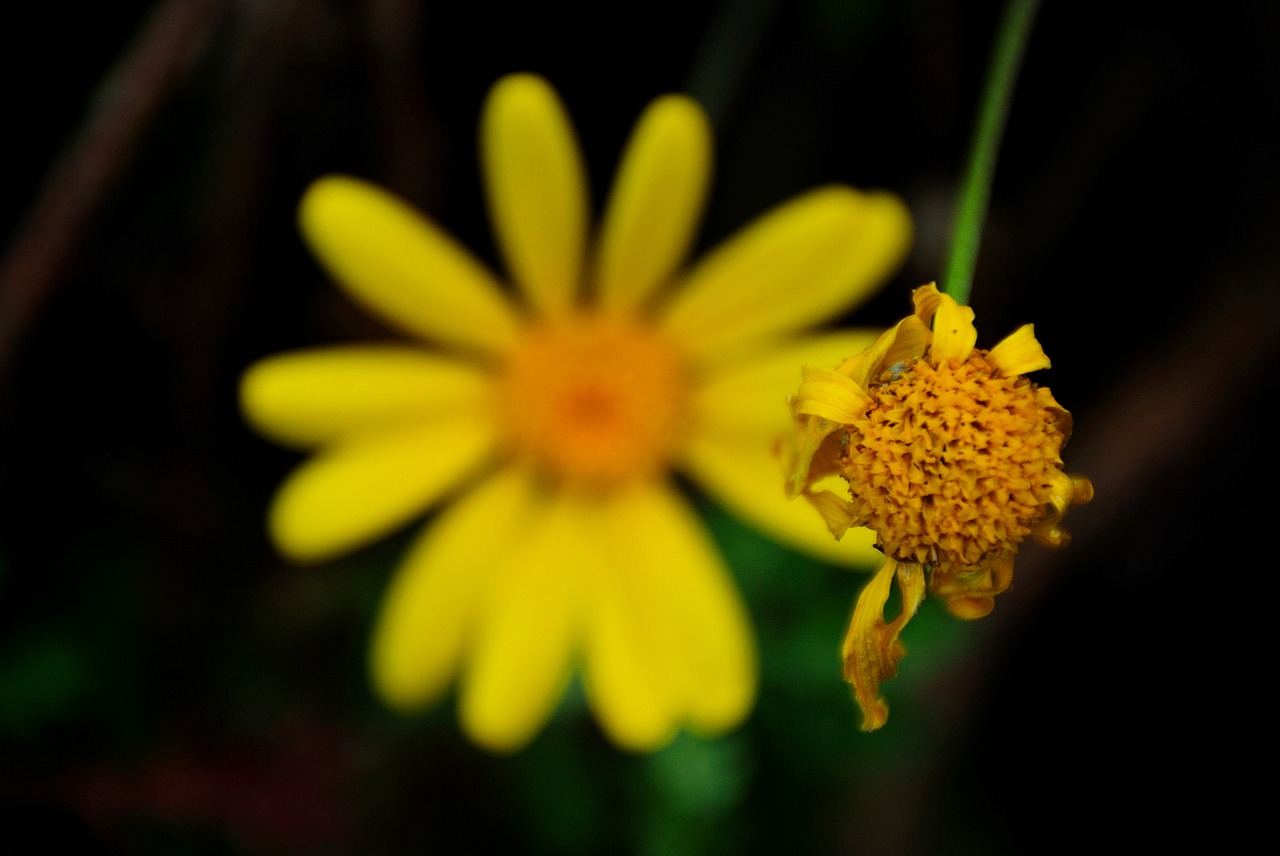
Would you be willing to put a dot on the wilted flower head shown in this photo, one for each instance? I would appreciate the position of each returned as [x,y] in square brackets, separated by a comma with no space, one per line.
[555,422]
[952,458]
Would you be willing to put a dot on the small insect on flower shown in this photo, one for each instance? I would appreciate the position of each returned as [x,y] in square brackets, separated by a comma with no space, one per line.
[953,458]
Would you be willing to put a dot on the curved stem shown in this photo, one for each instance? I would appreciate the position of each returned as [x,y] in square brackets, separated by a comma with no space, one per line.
[975,189]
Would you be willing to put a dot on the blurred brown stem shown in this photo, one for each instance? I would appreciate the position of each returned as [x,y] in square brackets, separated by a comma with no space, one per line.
[44,245]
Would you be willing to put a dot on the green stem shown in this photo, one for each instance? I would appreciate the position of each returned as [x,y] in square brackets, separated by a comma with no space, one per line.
[975,189]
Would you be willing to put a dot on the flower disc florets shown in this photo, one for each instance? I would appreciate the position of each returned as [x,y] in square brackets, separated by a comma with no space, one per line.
[951,463]
[594,399]
[952,459]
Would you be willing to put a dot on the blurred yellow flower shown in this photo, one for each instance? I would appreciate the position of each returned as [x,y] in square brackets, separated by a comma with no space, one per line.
[952,458]
[553,425]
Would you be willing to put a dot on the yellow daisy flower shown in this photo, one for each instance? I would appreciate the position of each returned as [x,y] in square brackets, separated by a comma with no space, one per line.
[553,425]
[952,459]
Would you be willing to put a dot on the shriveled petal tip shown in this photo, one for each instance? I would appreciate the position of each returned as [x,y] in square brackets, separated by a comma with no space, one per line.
[1019,353]
[971,594]
[305,398]
[537,189]
[1044,398]
[1066,492]
[806,261]
[656,202]
[396,263]
[429,608]
[871,649]
[353,493]
[835,511]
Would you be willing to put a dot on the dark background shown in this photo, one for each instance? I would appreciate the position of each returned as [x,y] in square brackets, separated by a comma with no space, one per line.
[168,684]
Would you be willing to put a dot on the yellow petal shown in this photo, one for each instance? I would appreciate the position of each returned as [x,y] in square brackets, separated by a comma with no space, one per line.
[1066,492]
[537,189]
[745,477]
[526,628]
[901,343]
[836,511]
[904,342]
[749,396]
[656,202]
[1019,353]
[871,650]
[631,698]
[925,301]
[1044,398]
[398,264]
[309,397]
[428,610]
[971,593]
[702,608]
[804,262]
[830,395]
[953,332]
[637,667]
[809,454]
[352,493]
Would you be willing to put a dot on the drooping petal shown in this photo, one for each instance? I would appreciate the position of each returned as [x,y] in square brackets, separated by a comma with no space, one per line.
[749,396]
[970,592]
[536,188]
[1044,397]
[1066,492]
[745,477]
[1019,353]
[810,454]
[395,262]
[304,398]
[836,511]
[354,492]
[429,608]
[804,262]
[871,649]
[702,609]
[656,202]
[526,628]
[830,395]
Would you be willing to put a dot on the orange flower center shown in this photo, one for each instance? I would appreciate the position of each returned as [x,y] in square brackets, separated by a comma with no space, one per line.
[594,399]
[952,463]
